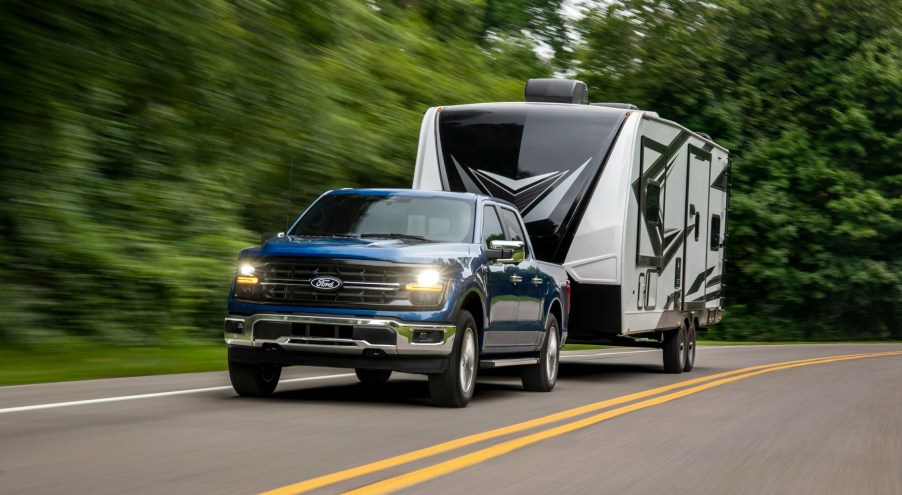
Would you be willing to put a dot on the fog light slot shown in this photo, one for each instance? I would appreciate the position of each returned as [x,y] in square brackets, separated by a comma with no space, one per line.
[234,326]
[373,353]
[428,336]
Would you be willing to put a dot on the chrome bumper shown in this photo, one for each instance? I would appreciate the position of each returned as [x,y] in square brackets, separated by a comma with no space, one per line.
[404,338]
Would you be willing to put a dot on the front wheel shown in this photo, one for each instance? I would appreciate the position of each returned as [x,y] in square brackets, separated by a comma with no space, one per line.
[454,387]
[254,380]
[542,376]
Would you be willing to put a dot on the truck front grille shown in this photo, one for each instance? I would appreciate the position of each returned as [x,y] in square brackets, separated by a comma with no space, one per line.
[286,281]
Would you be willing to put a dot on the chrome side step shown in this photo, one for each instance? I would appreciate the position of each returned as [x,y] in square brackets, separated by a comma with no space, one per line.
[500,363]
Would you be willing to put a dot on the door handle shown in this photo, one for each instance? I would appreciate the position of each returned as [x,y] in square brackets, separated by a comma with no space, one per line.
[697,220]
[536,281]
[516,279]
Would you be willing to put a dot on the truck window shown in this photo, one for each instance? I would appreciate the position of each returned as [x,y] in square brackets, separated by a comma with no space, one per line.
[512,226]
[491,226]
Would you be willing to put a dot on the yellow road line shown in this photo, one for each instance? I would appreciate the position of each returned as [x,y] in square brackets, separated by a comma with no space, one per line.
[405,480]
[347,474]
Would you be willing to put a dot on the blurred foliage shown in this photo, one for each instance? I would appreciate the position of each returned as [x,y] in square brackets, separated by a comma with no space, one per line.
[143,143]
[806,94]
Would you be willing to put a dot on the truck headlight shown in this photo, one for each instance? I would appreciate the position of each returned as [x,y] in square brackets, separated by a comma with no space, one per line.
[427,280]
[428,290]
[246,275]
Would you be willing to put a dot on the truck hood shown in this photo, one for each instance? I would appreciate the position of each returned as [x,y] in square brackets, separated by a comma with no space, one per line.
[395,250]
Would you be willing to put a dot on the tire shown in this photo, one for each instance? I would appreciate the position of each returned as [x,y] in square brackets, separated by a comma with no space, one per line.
[689,361]
[542,376]
[675,350]
[372,376]
[454,387]
[254,380]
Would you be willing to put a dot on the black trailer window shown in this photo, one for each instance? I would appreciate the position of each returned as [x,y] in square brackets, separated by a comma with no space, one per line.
[715,232]
[653,202]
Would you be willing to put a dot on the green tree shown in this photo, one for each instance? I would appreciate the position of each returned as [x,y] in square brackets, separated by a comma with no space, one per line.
[803,93]
[142,144]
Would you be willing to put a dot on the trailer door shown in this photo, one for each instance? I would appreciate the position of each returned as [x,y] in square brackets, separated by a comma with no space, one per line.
[695,244]
[717,214]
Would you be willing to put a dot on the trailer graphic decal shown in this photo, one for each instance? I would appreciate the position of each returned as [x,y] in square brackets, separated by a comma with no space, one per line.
[521,192]
[697,283]
[720,182]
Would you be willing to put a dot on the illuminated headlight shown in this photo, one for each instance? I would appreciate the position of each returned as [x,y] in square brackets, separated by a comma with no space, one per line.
[428,278]
[246,270]
[246,275]
[428,290]
[427,281]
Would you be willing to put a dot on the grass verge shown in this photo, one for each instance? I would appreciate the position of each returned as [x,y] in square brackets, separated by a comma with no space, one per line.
[61,363]
[20,366]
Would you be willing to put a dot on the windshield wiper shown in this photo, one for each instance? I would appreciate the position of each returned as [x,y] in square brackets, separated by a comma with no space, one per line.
[398,236]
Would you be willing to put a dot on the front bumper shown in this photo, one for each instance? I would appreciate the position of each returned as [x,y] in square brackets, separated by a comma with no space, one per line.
[339,336]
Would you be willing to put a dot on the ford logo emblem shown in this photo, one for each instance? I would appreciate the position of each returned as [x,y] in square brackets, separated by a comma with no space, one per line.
[326,283]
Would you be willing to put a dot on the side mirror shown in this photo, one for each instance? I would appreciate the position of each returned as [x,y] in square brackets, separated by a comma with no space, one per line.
[499,254]
[269,235]
[511,252]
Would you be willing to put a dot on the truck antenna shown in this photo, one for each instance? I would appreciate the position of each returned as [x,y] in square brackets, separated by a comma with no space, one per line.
[290,175]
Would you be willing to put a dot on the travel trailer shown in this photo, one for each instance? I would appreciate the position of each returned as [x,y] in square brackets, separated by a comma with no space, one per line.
[634,206]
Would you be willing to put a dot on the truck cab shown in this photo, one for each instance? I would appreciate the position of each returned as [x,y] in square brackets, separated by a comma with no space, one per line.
[383,280]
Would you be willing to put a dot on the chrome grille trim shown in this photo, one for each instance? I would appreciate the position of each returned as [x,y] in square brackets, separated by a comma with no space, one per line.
[365,283]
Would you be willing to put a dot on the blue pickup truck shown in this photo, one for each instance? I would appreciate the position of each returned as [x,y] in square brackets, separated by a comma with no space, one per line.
[383,280]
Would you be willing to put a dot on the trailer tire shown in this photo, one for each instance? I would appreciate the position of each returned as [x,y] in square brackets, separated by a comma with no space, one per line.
[454,387]
[254,380]
[542,376]
[372,376]
[689,361]
[675,350]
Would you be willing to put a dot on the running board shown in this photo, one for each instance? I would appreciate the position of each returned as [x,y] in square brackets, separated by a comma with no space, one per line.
[500,363]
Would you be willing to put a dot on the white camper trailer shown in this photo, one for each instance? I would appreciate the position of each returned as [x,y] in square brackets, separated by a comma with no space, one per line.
[634,206]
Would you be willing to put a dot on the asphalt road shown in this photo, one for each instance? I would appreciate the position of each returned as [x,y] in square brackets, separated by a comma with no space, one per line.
[820,427]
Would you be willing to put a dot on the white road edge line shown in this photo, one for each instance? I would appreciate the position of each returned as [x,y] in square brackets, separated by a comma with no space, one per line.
[151,396]
[602,354]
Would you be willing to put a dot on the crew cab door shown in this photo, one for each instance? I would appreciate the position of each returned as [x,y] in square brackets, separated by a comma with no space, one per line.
[502,289]
[531,282]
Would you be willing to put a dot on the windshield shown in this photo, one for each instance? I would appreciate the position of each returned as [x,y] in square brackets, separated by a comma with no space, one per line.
[392,217]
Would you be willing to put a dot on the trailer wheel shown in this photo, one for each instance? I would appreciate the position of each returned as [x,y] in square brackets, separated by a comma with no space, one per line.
[372,376]
[254,380]
[675,350]
[454,387]
[689,361]
[542,376]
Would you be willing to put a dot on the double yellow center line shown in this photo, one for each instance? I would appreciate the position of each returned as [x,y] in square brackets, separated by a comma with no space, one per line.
[402,481]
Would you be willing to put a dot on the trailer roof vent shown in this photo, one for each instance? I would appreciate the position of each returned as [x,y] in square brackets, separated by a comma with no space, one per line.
[557,91]
[625,106]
